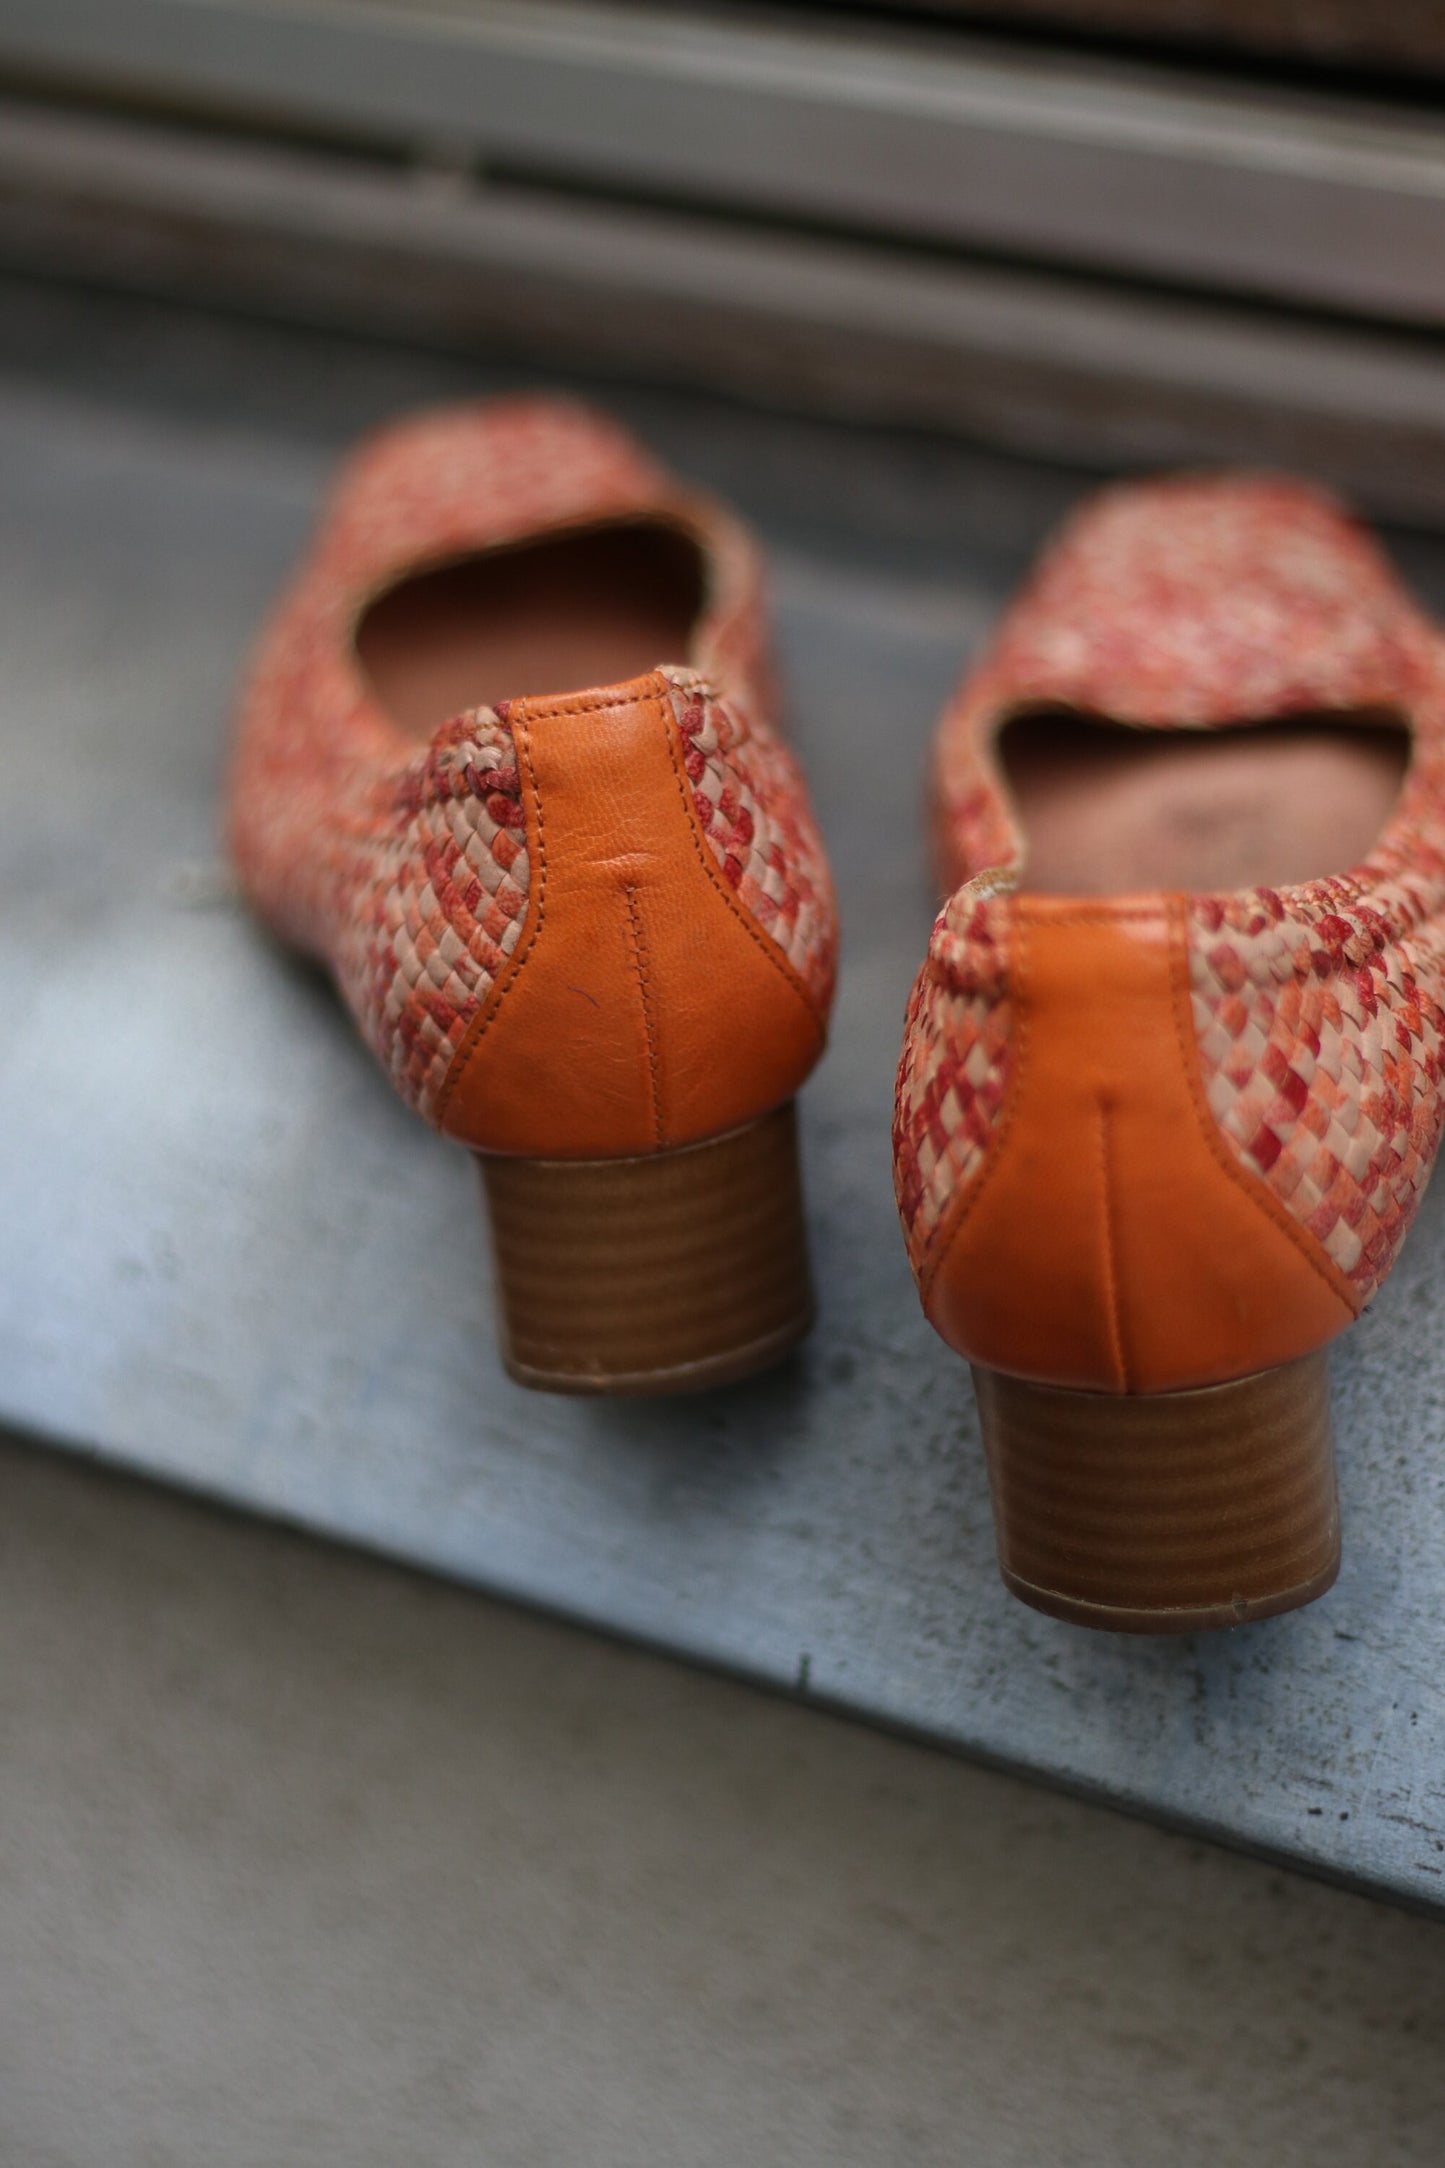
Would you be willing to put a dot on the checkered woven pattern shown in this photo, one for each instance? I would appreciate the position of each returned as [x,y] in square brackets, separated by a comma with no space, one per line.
[429,898]
[1197,604]
[1320,1027]
[955,1065]
[403,866]
[753,806]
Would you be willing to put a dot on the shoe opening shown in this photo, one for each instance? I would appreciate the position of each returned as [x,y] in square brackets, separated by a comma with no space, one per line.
[556,615]
[1106,808]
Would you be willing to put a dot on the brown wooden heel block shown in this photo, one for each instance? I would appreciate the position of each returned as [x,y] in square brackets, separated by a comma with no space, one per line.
[1164,1512]
[658,1274]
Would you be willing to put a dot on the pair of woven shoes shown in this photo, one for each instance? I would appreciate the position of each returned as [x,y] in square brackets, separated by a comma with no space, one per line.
[1170,1085]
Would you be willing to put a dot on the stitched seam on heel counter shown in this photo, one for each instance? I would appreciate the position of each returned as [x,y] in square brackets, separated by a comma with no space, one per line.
[709,865]
[949,1228]
[1249,1185]
[1112,1309]
[649,1022]
[531,798]
[481,1023]
[952,1220]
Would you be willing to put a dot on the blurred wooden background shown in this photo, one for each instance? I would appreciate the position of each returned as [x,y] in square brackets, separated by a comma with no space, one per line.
[1113,256]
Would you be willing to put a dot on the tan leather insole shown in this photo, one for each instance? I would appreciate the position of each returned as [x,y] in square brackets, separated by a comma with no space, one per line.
[554,616]
[1107,810]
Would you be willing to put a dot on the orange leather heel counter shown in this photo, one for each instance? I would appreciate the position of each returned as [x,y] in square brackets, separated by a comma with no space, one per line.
[1109,1242]
[643,1006]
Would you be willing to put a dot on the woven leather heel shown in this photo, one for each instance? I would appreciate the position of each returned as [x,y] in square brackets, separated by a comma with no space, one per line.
[1165,1512]
[659,1274]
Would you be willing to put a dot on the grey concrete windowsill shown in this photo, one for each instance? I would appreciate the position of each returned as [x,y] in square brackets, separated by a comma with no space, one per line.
[233,1261]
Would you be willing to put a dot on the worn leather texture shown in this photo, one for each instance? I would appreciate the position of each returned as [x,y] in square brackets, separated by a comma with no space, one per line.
[644,1007]
[1111,1242]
